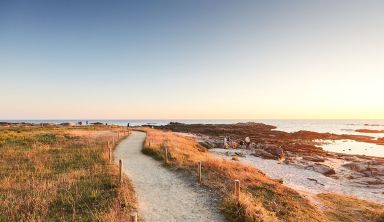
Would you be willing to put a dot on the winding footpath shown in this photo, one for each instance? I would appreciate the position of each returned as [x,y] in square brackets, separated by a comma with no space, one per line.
[162,194]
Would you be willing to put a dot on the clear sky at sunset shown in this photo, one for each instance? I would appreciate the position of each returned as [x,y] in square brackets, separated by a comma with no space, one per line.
[191,59]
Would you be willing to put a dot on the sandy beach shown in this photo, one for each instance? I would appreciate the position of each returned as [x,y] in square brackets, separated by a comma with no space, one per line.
[298,158]
[307,182]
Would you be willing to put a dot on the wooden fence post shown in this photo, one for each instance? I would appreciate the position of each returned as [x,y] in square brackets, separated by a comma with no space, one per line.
[199,171]
[120,172]
[133,216]
[113,140]
[110,154]
[166,155]
[237,190]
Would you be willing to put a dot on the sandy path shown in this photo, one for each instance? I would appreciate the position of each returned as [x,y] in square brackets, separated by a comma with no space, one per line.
[163,195]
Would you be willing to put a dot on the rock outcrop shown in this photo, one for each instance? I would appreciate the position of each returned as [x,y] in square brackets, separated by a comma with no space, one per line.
[321,168]
[368,169]
[263,154]
[314,158]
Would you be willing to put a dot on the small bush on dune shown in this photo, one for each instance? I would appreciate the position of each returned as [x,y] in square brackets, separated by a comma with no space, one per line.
[153,153]
[47,138]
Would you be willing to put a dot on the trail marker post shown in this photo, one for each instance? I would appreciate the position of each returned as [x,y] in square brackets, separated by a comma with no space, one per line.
[166,155]
[110,154]
[237,190]
[120,172]
[133,216]
[199,171]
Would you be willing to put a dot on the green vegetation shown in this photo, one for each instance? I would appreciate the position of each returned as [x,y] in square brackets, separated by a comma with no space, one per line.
[158,155]
[59,174]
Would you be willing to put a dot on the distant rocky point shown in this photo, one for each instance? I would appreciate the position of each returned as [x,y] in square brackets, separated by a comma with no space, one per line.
[369,131]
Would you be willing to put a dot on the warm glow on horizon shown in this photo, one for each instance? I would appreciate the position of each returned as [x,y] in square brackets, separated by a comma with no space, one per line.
[239,60]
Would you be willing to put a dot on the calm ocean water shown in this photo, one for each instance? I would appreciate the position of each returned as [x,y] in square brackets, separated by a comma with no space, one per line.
[323,126]
[331,126]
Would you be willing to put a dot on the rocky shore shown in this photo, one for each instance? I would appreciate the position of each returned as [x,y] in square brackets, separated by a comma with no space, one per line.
[369,131]
[9,124]
[301,150]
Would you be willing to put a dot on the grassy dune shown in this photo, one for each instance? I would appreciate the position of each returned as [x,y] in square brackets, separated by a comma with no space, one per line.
[60,174]
[350,209]
[261,199]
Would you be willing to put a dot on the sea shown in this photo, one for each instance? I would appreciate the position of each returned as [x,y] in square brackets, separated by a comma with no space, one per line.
[344,126]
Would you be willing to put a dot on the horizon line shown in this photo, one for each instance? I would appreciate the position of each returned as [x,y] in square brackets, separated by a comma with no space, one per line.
[21,119]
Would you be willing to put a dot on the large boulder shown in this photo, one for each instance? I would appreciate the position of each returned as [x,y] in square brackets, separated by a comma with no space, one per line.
[367,168]
[263,154]
[206,144]
[377,168]
[321,168]
[253,146]
[290,160]
[218,145]
[314,158]
[356,166]
[275,151]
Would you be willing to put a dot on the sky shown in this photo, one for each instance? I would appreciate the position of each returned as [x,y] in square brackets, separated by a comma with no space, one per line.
[191,59]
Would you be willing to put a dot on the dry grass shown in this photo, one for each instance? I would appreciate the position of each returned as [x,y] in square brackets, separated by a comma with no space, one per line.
[349,209]
[261,199]
[60,174]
